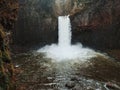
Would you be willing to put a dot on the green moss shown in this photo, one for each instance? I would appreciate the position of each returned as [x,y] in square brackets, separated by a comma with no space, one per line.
[6,68]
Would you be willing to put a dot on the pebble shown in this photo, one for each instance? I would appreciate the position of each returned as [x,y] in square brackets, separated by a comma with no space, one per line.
[70,84]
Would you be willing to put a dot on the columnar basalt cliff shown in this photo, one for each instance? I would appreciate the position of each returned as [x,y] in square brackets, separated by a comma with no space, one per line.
[98,25]
[95,23]
[8,13]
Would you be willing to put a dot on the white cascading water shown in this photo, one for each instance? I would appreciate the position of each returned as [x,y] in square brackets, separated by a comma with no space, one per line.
[64,50]
[64,32]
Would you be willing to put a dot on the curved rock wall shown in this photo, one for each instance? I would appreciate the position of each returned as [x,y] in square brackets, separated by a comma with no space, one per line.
[95,23]
[98,26]
[36,22]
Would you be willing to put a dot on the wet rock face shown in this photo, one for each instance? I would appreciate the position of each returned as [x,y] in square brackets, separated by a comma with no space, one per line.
[36,22]
[95,23]
[98,25]
[98,13]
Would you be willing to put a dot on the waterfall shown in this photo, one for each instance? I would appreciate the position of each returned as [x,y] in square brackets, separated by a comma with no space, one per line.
[64,50]
[64,32]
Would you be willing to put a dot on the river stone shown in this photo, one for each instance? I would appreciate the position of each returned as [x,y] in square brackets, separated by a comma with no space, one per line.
[70,84]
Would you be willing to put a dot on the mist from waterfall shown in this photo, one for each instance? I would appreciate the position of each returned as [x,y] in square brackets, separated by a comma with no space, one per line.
[64,50]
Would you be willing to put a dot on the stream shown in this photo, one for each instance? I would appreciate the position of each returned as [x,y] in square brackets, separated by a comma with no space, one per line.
[36,72]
